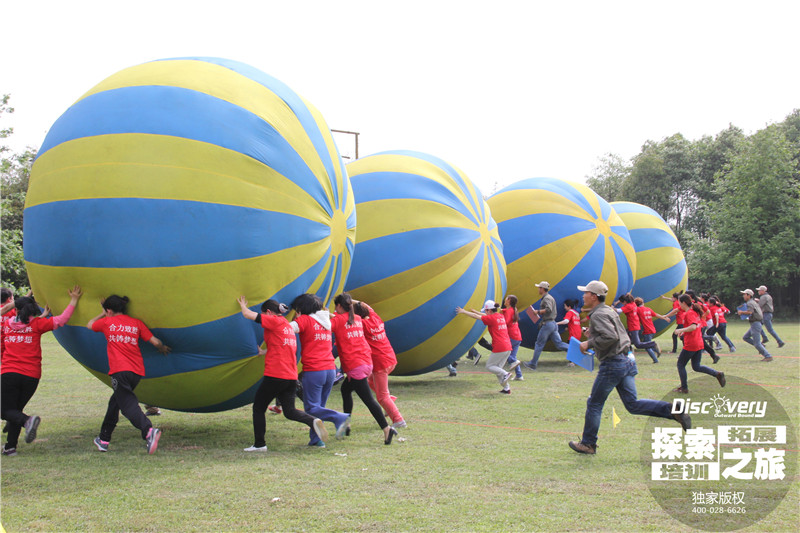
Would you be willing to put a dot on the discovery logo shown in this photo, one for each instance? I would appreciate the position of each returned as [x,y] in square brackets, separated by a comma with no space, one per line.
[721,406]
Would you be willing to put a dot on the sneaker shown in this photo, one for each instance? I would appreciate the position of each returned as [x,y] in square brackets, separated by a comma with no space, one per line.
[318,444]
[9,451]
[658,350]
[152,411]
[715,358]
[721,378]
[400,425]
[275,409]
[30,428]
[319,429]
[767,359]
[519,378]
[452,374]
[681,390]
[152,440]
[764,341]
[339,377]
[505,391]
[733,349]
[506,379]
[684,420]
[102,445]
[781,344]
[476,359]
[530,365]
[343,428]
[390,436]
[256,448]
[583,448]
[514,365]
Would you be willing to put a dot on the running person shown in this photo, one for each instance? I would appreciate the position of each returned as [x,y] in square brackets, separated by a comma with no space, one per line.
[548,330]
[383,361]
[356,357]
[511,315]
[693,344]
[280,372]
[629,309]
[720,322]
[21,363]
[126,368]
[501,343]
[313,324]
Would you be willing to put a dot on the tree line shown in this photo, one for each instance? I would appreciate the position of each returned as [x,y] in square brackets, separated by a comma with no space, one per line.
[733,201]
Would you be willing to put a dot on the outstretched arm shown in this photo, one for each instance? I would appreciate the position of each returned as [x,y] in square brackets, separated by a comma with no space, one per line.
[460,311]
[248,313]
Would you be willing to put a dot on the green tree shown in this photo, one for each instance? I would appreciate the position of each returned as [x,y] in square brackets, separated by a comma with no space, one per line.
[755,223]
[609,176]
[15,172]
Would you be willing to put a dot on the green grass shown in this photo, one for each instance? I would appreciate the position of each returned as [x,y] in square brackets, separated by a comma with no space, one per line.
[472,459]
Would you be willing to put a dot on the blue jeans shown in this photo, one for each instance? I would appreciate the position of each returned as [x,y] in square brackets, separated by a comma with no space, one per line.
[617,373]
[317,385]
[722,331]
[513,357]
[694,357]
[767,322]
[753,336]
[547,331]
[648,346]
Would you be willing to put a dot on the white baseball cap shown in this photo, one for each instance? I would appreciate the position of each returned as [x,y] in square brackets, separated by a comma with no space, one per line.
[595,287]
[747,291]
[543,285]
[490,304]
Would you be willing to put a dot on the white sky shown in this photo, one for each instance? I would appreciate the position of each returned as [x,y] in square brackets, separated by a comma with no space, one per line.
[512,91]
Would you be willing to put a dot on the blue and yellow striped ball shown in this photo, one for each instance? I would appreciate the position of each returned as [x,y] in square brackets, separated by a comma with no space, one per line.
[426,244]
[660,264]
[183,184]
[563,233]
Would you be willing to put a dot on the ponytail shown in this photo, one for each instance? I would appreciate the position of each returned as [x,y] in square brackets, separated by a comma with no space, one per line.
[346,302]
[27,308]
[512,301]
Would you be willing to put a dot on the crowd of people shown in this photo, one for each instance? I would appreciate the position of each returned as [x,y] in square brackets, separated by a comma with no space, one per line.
[367,359]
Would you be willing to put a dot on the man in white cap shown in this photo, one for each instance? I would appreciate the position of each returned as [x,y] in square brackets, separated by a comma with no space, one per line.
[765,302]
[548,329]
[754,316]
[609,340]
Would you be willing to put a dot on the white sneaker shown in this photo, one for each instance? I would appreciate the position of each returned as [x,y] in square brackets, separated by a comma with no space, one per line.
[519,378]
[256,449]
[399,425]
[319,429]
[506,379]
[514,365]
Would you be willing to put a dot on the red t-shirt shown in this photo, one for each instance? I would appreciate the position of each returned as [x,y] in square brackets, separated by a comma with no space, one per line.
[281,359]
[706,312]
[633,317]
[316,343]
[499,332]
[350,342]
[646,319]
[513,327]
[122,335]
[693,341]
[574,324]
[22,348]
[11,314]
[721,312]
[383,355]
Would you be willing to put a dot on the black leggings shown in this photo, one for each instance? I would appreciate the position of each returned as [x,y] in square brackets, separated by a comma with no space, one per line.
[125,400]
[283,390]
[362,389]
[17,390]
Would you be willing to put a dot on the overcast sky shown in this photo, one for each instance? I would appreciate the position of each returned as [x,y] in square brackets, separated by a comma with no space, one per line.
[507,92]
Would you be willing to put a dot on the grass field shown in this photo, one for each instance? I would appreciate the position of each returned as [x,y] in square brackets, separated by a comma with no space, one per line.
[470,460]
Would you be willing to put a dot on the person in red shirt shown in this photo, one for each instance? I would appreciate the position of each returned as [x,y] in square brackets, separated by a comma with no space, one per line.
[126,368]
[313,324]
[646,319]
[383,361]
[21,363]
[693,343]
[280,372]
[356,357]
[720,326]
[501,342]
[629,309]
[511,315]
[677,312]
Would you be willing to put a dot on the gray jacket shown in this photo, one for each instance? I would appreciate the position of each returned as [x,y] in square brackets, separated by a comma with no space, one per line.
[547,309]
[765,301]
[606,334]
